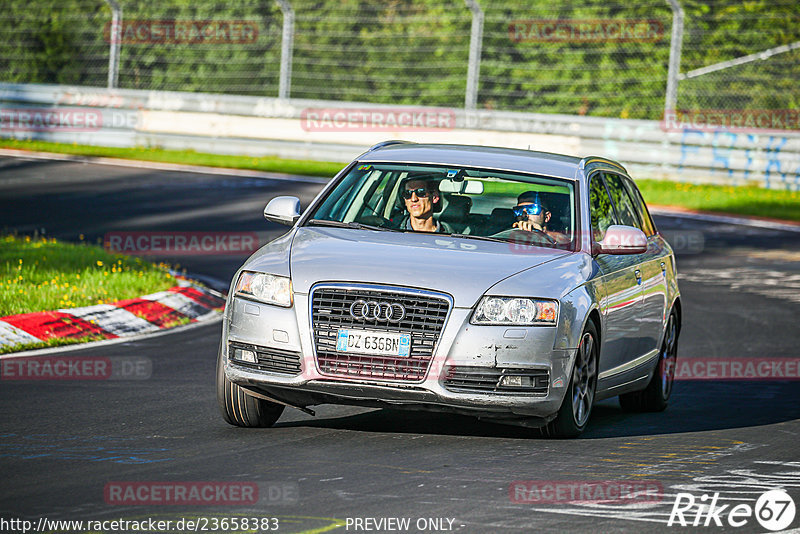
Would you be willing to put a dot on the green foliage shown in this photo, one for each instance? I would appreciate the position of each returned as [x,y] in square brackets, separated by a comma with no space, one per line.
[43,274]
[415,52]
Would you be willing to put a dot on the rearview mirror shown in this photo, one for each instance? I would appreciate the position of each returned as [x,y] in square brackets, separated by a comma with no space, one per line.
[468,187]
[621,239]
[283,210]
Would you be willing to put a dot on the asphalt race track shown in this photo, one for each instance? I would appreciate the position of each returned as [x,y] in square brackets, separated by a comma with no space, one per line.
[64,443]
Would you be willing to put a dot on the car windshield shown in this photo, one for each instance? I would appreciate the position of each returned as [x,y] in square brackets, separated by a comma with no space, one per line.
[468,202]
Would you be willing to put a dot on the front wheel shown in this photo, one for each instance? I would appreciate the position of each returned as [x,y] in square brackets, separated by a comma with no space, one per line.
[240,409]
[655,396]
[576,408]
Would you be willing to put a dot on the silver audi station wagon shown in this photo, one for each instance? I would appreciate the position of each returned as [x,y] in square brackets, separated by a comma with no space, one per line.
[516,286]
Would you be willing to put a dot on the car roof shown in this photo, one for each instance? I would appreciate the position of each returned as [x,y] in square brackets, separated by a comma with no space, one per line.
[510,159]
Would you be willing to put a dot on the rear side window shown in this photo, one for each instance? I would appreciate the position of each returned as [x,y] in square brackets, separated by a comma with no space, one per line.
[600,207]
[626,212]
[648,226]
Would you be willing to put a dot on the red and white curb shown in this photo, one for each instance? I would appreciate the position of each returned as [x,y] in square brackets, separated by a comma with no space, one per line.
[124,318]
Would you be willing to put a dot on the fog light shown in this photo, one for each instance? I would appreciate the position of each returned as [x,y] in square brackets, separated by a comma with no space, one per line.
[244,355]
[515,381]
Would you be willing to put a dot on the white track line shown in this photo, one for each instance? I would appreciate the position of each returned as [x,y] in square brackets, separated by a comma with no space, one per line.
[741,221]
[160,166]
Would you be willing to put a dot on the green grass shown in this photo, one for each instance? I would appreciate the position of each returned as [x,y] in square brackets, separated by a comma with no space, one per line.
[38,274]
[185,157]
[741,200]
[744,200]
[52,342]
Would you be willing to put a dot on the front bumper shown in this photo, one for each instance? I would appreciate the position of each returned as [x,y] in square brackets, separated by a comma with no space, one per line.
[463,350]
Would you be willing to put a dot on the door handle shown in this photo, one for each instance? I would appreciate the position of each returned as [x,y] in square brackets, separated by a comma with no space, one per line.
[638,274]
[664,268]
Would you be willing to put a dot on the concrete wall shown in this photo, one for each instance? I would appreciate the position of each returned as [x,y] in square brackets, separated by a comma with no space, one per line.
[338,131]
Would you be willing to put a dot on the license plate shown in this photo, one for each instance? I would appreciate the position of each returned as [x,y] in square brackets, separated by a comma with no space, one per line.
[374,343]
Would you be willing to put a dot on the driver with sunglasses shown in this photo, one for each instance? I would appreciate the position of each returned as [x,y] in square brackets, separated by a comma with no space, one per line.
[421,198]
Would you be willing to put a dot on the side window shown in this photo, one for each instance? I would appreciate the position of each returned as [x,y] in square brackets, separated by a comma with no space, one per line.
[648,226]
[626,213]
[600,208]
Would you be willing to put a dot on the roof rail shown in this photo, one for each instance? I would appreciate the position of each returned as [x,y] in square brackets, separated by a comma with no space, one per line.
[589,160]
[388,143]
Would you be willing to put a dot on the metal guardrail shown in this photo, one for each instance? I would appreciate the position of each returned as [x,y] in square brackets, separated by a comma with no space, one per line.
[273,126]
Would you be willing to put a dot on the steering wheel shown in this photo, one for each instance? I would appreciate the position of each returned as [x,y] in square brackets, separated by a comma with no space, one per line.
[524,237]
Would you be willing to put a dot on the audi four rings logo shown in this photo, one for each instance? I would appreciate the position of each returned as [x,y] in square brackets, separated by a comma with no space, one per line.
[377,311]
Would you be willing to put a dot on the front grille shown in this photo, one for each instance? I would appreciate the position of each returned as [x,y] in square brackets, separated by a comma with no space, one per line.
[424,320]
[487,380]
[270,359]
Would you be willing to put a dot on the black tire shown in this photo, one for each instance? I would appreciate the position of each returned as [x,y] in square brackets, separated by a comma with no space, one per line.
[573,416]
[655,397]
[240,409]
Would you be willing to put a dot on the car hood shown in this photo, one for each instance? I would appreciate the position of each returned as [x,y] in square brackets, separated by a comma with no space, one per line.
[464,268]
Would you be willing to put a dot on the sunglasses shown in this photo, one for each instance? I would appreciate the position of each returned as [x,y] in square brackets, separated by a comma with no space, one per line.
[528,209]
[421,192]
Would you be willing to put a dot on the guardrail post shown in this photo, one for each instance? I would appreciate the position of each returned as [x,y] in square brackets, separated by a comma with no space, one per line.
[475,43]
[115,38]
[287,45]
[674,56]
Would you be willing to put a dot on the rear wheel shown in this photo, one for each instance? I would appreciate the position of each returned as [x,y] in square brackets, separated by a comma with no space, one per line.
[240,409]
[576,408]
[655,396]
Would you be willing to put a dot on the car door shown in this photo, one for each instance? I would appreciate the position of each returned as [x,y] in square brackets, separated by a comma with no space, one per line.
[654,266]
[619,279]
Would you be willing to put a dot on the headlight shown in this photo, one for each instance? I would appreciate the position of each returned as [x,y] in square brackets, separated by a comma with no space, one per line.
[267,288]
[515,311]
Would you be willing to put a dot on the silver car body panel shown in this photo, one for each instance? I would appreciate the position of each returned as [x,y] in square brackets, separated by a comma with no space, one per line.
[462,268]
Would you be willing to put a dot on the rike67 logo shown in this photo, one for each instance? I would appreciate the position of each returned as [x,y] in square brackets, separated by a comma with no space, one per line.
[774,510]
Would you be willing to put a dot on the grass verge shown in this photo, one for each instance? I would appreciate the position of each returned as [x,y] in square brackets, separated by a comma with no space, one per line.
[743,200]
[185,157]
[740,200]
[53,342]
[38,274]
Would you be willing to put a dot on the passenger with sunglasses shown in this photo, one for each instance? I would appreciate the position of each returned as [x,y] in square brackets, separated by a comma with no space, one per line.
[533,215]
[421,198]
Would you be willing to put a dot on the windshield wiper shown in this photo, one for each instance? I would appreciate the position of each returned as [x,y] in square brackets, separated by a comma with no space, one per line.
[480,237]
[352,224]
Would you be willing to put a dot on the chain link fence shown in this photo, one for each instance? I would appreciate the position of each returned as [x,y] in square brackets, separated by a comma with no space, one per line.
[718,34]
[596,58]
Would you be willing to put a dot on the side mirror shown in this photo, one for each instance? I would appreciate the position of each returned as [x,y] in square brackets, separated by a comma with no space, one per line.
[621,239]
[283,210]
